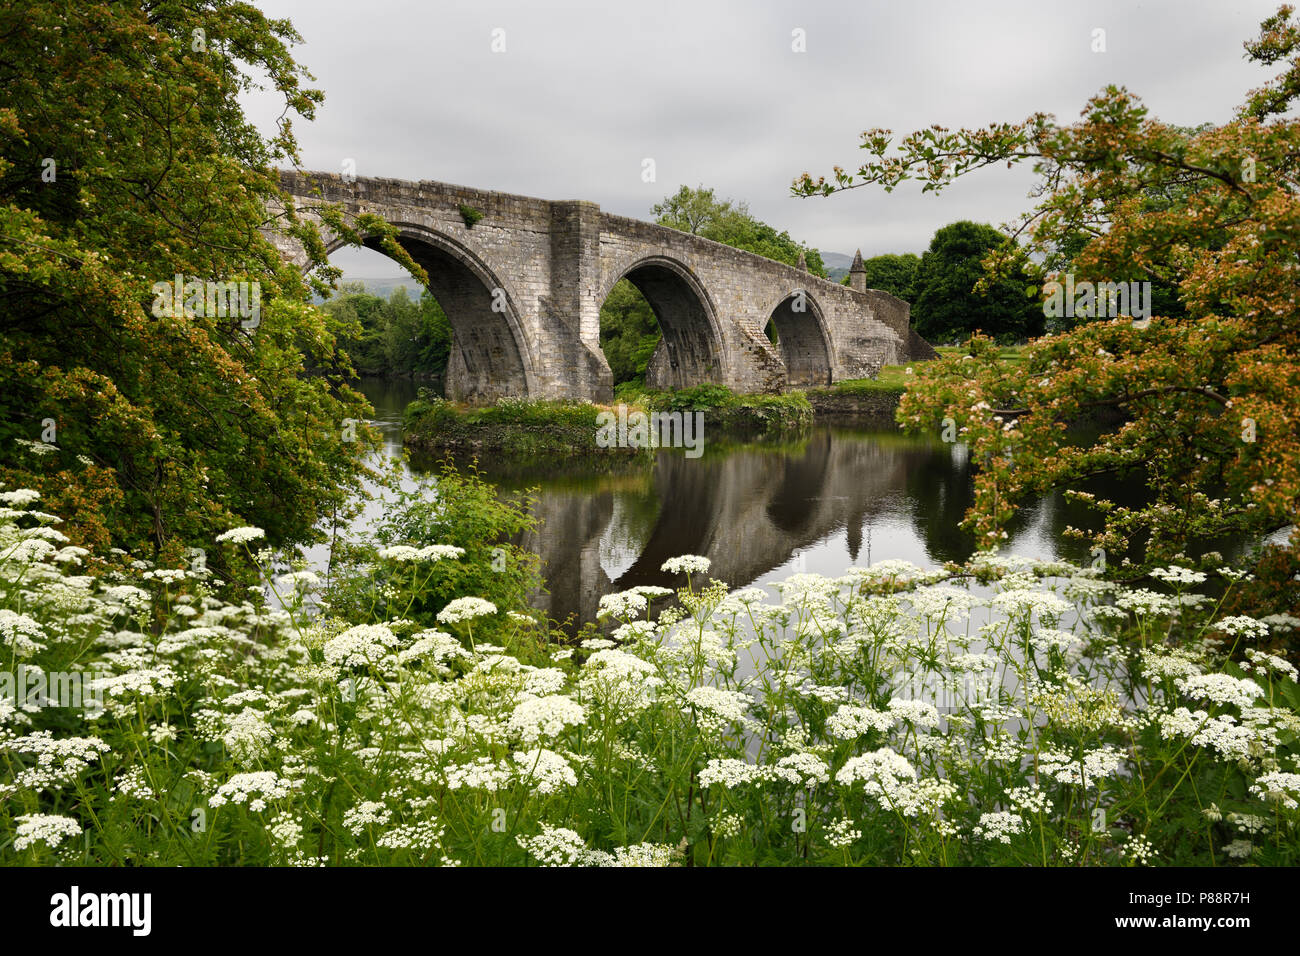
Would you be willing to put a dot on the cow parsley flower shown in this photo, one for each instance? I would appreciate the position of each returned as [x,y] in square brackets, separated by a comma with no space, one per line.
[1240,625]
[1177,575]
[842,833]
[360,645]
[1069,769]
[622,605]
[1000,826]
[716,709]
[368,813]
[254,788]
[801,769]
[241,535]
[919,713]
[882,772]
[47,828]
[850,722]
[540,717]
[19,497]
[248,736]
[1266,663]
[555,846]
[686,564]
[1220,688]
[1028,799]
[433,552]
[1279,787]
[1239,849]
[1138,849]
[20,633]
[545,770]
[728,772]
[465,609]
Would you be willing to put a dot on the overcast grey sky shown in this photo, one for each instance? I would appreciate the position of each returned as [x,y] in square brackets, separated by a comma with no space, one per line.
[714,93]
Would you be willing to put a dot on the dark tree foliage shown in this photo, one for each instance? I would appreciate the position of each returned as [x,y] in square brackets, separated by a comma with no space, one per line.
[949,306]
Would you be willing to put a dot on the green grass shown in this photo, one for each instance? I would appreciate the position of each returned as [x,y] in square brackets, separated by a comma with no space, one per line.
[779,414]
[511,427]
[552,430]
[895,378]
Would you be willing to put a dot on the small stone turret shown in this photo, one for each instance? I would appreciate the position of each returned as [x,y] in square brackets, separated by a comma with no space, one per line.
[802,264]
[858,273]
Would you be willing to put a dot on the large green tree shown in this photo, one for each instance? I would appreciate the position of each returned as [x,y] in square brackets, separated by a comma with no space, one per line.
[950,301]
[126,161]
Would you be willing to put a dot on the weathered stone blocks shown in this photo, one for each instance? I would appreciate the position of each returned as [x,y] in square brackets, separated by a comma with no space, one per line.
[524,285]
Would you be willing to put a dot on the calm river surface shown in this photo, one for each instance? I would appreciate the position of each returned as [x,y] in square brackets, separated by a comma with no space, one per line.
[836,498]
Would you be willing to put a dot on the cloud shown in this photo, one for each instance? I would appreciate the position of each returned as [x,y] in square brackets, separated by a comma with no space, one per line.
[714,94]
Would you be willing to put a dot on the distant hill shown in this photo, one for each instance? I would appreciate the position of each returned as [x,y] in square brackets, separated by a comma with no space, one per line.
[837,265]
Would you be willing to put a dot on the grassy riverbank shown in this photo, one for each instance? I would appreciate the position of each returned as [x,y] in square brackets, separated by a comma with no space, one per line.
[569,429]
[511,427]
[751,416]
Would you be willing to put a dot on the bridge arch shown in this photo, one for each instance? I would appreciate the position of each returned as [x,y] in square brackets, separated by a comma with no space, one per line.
[803,339]
[490,354]
[691,352]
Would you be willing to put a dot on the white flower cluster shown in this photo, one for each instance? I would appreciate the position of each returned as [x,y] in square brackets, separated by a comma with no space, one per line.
[882,773]
[1177,575]
[842,833]
[1278,787]
[1001,826]
[1221,689]
[1082,771]
[1240,625]
[717,709]
[619,682]
[241,535]
[46,828]
[686,564]
[850,722]
[544,770]
[433,552]
[248,735]
[465,609]
[20,634]
[800,769]
[1221,732]
[1029,799]
[544,717]
[560,846]
[622,605]
[254,788]
[360,645]
[368,813]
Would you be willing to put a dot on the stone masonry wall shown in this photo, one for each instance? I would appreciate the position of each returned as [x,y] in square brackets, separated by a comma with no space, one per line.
[554,264]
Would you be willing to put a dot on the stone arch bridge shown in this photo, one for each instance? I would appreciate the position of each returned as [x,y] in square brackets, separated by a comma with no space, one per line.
[523,286]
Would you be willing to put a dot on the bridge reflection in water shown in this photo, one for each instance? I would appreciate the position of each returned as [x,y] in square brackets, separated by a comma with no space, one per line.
[822,504]
[833,499]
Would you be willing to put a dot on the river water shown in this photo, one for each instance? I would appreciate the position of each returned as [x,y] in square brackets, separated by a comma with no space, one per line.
[837,497]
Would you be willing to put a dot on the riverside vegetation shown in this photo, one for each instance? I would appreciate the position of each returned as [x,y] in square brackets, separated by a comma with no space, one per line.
[531,428]
[422,714]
